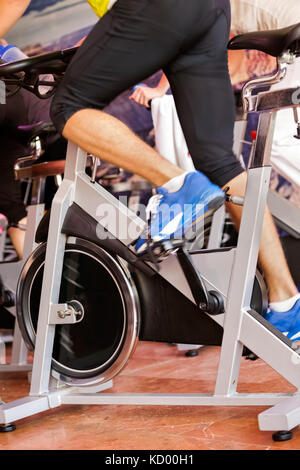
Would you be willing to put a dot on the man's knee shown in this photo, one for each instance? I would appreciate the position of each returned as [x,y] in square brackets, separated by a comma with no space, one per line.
[64,106]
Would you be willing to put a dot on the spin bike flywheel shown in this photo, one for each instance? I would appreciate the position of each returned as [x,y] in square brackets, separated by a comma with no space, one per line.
[96,348]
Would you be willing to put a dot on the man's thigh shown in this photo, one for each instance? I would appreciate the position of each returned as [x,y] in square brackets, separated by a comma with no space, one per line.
[131,42]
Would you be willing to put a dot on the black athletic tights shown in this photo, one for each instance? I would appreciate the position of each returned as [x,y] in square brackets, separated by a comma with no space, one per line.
[188,40]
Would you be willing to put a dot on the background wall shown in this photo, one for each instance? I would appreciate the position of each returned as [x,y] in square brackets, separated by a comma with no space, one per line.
[52,24]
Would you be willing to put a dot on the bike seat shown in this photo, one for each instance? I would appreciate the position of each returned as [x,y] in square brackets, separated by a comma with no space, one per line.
[40,170]
[273,42]
[40,128]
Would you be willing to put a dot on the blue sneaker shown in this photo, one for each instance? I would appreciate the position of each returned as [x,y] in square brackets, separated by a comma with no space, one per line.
[287,322]
[180,214]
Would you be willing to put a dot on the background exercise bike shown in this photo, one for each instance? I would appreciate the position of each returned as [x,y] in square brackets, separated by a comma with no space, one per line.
[33,172]
[94,298]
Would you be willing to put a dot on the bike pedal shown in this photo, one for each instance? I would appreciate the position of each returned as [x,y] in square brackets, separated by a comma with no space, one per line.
[161,250]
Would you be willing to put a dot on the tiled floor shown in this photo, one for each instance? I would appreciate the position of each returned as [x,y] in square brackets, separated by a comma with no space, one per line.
[153,368]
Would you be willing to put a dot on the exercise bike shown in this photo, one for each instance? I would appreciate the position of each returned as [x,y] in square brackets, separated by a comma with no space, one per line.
[84,297]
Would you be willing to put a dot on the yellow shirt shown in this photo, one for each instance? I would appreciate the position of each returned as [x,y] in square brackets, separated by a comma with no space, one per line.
[100,7]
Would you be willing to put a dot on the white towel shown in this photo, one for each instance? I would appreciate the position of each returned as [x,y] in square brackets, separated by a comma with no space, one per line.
[169,138]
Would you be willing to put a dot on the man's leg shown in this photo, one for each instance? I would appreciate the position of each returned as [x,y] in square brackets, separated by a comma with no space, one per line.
[131,42]
[107,137]
[204,101]
[126,48]
[271,260]
[284,299]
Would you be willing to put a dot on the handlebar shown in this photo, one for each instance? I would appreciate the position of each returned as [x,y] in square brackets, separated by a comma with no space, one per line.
[25,73]
[51,62]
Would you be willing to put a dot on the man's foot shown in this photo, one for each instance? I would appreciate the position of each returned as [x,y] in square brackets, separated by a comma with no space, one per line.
[179,209]
[287,322]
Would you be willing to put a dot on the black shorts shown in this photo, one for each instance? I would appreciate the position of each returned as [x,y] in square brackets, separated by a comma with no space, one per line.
[188,40]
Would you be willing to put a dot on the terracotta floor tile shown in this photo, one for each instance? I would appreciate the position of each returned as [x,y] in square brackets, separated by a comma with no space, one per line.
[153,368]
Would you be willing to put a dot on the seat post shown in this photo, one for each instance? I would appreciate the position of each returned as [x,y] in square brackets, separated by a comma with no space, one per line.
[38,190]
[263,144]
[297,121]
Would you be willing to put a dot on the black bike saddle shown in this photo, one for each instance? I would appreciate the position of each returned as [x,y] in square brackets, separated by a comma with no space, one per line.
[273,42]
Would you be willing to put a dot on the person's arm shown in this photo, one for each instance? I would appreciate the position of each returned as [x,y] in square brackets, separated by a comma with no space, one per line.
[10,12]
[142,95]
